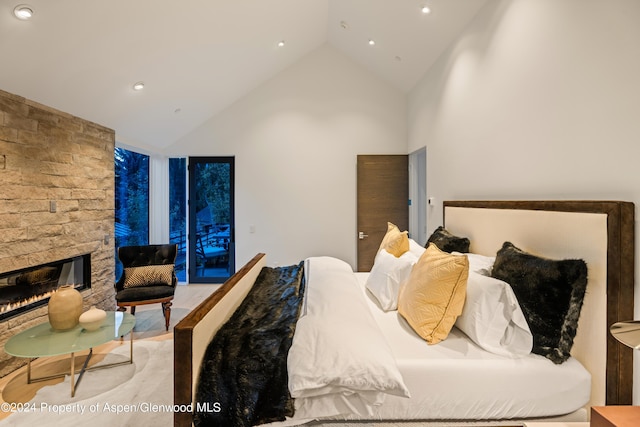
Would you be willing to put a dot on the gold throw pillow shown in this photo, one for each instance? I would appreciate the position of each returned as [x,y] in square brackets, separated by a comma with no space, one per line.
[395,242]
[433,297]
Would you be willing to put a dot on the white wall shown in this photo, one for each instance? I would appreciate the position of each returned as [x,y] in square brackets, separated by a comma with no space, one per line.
[158,199]
[295,141]
[538,99]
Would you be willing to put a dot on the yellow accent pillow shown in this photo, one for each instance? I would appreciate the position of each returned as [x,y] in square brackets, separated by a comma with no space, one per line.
[395,242]
[433,297]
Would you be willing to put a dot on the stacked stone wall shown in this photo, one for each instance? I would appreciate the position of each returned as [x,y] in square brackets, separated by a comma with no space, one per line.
[48,158]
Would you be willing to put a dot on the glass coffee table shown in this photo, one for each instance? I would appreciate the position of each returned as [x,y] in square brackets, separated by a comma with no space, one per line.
[43,341]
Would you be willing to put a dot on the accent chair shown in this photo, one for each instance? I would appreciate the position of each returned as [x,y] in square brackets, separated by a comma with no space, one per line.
[148,277]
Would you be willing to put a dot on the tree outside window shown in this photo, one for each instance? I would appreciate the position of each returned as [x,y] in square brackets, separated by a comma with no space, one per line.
[131,200]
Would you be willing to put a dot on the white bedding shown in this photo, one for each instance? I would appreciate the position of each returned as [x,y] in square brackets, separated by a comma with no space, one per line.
[338,361]
[454,379]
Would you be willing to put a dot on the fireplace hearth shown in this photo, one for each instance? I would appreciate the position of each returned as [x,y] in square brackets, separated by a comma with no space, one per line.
[29,288]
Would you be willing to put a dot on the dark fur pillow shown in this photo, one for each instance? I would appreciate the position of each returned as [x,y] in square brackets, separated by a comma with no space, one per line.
[445,241]
[550,293]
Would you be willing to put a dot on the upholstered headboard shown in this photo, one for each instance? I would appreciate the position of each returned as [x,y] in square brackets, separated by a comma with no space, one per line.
[599,232]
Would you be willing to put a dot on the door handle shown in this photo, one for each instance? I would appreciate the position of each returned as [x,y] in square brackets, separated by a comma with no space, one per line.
[361,235]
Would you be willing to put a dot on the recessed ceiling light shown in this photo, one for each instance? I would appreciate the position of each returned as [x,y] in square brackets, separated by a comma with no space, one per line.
[281,43]
[372,42]
[425,9]
[138,86]
[23,12]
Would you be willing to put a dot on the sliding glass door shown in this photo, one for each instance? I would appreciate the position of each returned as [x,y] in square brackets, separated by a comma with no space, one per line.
[211,219]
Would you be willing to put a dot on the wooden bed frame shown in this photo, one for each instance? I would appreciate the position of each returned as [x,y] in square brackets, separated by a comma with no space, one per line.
[485,223]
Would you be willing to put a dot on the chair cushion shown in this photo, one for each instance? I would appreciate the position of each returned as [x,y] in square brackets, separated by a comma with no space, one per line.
[144,293]
[148,275]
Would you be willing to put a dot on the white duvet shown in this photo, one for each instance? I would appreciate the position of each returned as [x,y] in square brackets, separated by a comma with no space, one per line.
[339,361]
[348,357]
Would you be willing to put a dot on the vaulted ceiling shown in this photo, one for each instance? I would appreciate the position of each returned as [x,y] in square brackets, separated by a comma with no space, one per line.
[196,57]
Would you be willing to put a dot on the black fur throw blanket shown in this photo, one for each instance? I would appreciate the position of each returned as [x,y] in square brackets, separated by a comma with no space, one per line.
[243,378]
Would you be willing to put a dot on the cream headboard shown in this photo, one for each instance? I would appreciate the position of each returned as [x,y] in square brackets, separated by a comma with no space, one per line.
[600,233]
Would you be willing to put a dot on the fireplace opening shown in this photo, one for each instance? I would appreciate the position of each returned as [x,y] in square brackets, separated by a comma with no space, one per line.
[29,288]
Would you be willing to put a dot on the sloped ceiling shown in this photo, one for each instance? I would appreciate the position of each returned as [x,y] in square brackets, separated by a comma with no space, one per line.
[196,57]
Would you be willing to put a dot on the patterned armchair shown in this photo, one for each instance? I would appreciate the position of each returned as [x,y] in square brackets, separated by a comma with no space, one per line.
[148,277]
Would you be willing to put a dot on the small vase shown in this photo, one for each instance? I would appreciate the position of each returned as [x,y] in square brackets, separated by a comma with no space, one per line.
[92,319]
[65,307]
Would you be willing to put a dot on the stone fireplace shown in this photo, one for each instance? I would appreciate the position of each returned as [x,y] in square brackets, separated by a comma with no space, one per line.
[29,288]
[56,207]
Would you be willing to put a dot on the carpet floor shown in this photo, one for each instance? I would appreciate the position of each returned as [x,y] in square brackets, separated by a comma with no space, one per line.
[129,395]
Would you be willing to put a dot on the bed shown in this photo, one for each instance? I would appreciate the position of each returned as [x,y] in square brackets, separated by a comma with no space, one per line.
[599,232]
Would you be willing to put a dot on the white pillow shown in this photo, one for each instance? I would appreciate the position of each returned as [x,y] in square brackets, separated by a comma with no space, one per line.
[479,263]
[493,319]
[387,275]
[415,248]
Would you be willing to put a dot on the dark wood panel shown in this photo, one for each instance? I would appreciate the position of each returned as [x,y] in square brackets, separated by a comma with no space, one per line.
[382,196]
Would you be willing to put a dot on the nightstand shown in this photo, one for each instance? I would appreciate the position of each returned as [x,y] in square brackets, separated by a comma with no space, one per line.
[615,416]
[557,424]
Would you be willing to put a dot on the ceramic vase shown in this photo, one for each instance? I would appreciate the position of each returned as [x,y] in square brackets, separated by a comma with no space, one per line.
[65,307]
[92,319]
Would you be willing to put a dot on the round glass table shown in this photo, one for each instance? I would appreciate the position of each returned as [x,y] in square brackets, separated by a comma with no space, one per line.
[43,341]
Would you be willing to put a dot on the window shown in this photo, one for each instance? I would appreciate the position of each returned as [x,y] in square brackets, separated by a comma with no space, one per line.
[178,213]
[131,200]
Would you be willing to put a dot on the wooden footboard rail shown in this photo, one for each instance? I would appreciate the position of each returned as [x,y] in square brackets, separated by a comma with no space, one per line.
[193,333]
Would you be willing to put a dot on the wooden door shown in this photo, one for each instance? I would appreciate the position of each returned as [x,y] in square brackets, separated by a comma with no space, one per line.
[383,196]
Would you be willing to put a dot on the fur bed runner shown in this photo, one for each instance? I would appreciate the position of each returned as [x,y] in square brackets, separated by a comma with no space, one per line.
[244,372]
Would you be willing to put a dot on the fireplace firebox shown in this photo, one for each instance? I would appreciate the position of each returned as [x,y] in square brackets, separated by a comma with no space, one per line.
[29,288]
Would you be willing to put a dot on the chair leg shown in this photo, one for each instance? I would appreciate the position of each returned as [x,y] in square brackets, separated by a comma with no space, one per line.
[133,310]
[166,311]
